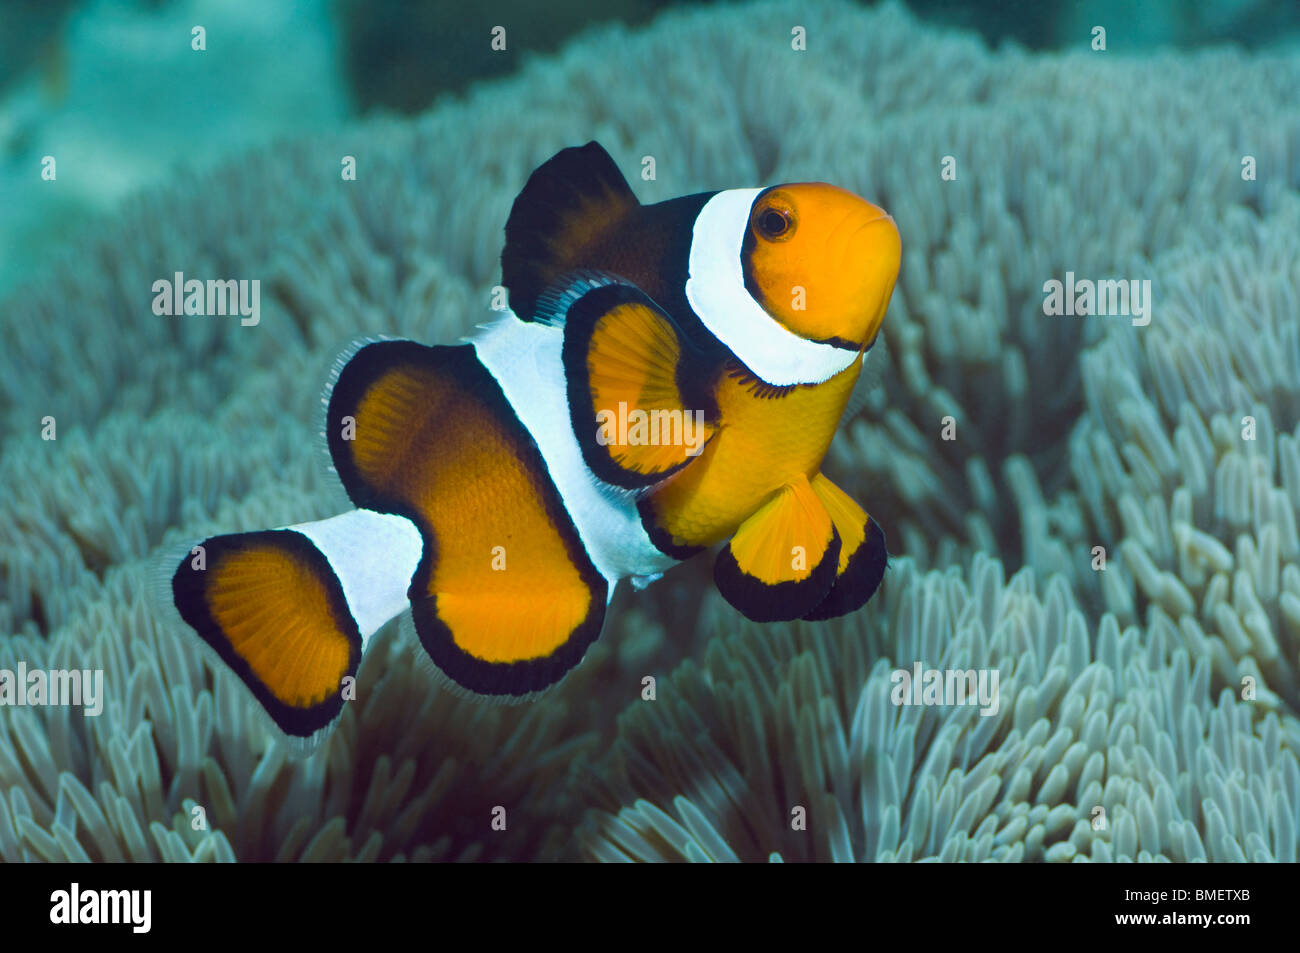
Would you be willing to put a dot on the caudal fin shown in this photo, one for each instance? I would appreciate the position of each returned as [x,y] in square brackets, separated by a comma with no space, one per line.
[290,610]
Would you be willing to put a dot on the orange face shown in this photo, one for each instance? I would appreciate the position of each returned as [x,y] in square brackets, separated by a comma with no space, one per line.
[822,261]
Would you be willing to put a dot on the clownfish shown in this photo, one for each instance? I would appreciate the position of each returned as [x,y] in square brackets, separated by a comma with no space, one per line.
[668,377]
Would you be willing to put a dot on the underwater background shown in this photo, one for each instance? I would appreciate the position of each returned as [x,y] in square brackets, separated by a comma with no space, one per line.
[1163,690]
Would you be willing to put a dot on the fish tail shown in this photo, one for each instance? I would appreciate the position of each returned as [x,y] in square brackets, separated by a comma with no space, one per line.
[290,611]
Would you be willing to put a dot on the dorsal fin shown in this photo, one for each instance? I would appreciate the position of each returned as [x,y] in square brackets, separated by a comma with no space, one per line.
[569,201]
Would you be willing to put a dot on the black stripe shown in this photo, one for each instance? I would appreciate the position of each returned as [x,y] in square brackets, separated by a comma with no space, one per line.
[835,341]
[783,601]
[661,538]
[860,579]
[666,231]
[747,255]
[756,386]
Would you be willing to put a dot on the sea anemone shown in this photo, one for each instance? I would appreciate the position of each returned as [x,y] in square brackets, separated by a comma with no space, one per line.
[1185,463]
[1105,744]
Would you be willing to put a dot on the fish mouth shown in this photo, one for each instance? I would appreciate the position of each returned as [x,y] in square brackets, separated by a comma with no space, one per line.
[880,232]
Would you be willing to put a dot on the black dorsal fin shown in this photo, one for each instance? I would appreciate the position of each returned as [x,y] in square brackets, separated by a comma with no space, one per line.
[568,201]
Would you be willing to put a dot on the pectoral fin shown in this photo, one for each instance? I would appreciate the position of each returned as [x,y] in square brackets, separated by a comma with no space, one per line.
[622,358]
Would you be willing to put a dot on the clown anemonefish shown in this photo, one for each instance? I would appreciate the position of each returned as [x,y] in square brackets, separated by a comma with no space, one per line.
[669,377]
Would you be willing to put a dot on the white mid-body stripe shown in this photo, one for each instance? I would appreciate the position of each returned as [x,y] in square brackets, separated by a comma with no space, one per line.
[524,357]
[374,556]
[716,291]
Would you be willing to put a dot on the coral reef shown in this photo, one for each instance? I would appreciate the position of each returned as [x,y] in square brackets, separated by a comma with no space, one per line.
[1120,689]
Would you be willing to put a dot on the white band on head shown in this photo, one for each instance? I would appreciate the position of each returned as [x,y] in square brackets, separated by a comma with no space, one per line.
[716,291]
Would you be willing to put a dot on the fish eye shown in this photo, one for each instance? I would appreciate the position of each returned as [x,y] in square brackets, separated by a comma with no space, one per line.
[774,223]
